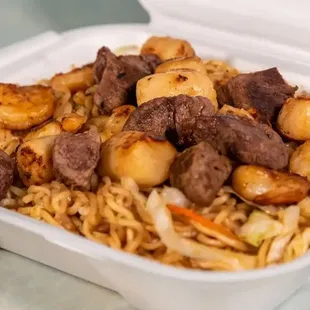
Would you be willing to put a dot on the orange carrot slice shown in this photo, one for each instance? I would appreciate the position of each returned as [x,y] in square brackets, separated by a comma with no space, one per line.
[190,214]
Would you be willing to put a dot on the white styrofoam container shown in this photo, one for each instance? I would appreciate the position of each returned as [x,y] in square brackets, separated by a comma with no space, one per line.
[145,284]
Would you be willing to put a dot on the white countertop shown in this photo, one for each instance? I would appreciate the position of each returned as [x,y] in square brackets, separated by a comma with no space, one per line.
[27,285]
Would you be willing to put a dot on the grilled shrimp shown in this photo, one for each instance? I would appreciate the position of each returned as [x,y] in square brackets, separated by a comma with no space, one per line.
[22,107]
[269,187]
[75,80]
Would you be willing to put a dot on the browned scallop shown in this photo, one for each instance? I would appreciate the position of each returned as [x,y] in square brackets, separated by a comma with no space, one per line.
[23,107]
[167,47]
[187,63]
[269,187]
[34,161]
[144,157]
[75,80]
[294,119]
[300,160]
[173,83]
[219,72]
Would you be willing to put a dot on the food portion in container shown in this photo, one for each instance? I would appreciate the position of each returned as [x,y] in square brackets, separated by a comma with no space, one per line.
[162,154]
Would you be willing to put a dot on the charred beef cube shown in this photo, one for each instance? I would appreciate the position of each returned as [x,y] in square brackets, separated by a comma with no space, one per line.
[6,173]
[264,91]
[117,76]
[200,172]
[187,121]
[75,157]
[243,139]
[173,117]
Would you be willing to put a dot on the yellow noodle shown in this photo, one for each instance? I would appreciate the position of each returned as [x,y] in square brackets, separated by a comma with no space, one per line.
[220,200]
[262,253]
[28,198]
[238,216]
[235,243]
[74,209]
[119,209]
[234,226]
[25,210]
[101,238]
[171,258]
[211,265]
[38,189]
[210,241]
[78,224]
[35,212]
[116,216]
[155,244]
[114,239]
[129,234]
[93,216]
[48,218]
[133,245]
[220,217]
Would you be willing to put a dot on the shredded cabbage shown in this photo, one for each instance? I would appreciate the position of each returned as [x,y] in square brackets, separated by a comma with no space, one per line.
[278,245]
[161,216]
[259,227]
[291,219]
[174,196]
[298,246]
[272,210]
[140,199]
[277,248]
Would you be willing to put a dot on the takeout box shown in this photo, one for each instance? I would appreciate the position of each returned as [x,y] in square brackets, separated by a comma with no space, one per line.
[244,33]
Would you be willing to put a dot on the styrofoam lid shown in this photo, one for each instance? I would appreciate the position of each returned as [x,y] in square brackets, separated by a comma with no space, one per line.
[264,23]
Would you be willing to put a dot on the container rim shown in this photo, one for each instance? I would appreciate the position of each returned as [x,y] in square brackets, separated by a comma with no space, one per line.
[157,268]
[95,251]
